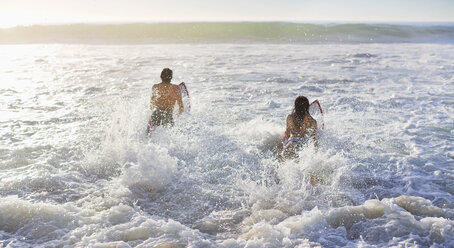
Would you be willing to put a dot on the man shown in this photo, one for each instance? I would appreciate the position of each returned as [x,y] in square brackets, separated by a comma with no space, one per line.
[163,98]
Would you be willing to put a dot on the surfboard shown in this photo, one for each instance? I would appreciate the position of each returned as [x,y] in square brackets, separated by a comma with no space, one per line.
[316,111]
[185,97]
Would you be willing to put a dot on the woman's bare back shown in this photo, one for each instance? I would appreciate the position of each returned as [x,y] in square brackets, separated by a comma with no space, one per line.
[308,126]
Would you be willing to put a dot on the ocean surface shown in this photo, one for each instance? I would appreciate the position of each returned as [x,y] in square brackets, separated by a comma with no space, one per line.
[77,170]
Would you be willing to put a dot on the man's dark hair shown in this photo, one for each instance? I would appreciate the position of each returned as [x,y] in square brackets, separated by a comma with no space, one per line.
[166,75]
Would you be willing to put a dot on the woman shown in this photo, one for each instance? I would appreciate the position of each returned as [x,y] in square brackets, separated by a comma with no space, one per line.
[301,127]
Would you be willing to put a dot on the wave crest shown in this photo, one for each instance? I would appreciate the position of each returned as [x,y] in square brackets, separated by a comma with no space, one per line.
[273,32]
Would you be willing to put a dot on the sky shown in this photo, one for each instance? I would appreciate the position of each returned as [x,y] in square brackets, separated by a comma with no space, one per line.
[29,12]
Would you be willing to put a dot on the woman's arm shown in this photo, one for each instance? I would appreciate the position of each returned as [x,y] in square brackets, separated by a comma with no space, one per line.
[313,127]
[290,126]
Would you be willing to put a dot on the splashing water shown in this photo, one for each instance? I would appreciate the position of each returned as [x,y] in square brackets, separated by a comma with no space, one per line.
[77,169]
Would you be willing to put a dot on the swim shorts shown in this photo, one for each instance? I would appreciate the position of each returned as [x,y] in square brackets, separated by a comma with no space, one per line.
[161,117]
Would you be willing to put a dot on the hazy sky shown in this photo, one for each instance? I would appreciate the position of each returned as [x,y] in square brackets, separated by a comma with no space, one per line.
[25,12]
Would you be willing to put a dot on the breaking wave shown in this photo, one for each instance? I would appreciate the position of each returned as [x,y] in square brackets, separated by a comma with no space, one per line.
[268,32]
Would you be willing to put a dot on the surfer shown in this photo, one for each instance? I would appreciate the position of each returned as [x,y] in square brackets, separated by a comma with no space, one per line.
[163,98]
[301,127]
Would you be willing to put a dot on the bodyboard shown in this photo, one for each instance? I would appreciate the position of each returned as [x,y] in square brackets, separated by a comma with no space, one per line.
[185,97]
[316,111]
[149,126]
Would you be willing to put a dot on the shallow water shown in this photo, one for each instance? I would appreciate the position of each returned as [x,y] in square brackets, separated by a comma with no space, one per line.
[76,167]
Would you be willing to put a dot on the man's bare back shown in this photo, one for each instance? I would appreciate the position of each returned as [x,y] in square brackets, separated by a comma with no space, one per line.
[164,96]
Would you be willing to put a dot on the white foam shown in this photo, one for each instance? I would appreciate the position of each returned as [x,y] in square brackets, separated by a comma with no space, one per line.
[36,221]
[153,169]
[73,148]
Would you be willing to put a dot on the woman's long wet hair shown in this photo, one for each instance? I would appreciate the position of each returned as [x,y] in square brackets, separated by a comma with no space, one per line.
[300,109]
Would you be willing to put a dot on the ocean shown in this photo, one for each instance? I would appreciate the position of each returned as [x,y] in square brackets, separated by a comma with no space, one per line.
[77,169]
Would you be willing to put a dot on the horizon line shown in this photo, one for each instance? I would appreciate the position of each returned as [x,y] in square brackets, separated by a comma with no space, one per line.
[235,21]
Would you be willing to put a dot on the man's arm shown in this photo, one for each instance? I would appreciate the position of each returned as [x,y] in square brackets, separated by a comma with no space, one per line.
[154,96]
[179,100]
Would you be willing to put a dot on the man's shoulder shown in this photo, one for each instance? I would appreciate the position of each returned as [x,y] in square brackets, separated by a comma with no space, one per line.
[176,87]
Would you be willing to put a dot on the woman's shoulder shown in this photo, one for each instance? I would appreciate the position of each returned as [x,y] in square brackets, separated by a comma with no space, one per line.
[311,119]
